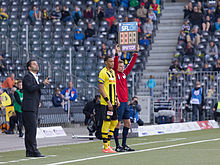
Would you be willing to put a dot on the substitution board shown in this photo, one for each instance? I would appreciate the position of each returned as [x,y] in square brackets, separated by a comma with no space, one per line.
[128,36]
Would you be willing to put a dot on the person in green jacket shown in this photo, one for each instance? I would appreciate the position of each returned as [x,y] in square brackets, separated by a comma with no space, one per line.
[134,3]
[18,95]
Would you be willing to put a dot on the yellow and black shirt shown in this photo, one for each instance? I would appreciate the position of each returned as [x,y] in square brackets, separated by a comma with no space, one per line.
[107,77]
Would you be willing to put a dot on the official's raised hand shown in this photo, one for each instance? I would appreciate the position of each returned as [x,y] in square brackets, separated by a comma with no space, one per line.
[117,48]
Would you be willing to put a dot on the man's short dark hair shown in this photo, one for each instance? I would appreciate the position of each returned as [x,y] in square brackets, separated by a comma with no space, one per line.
[134,97]
[106,58]
[29,63]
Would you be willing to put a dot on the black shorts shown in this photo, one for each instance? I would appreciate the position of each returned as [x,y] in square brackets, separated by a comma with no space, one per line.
[107,114]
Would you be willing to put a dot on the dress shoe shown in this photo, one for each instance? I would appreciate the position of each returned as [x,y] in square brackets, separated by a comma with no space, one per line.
[29,154]
[38,155]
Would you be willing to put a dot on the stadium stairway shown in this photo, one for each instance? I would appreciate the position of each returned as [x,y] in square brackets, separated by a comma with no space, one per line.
[163,47]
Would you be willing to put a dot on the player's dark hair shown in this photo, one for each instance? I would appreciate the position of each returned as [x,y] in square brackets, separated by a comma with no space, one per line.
[29,63]
[106,58]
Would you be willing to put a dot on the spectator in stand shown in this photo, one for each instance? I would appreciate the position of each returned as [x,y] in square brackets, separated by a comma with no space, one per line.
[186,26]
[217,66]
[206,68]
[79,35]
[148,27]
[57,98]
[114,28]
[34,14]
[9,82]
[189,50]
[217,10]
[142,12]
[152,15]
[134,3]
[88,13]
[206,24]
[196,18]
[194,36]
[155,7]
[89,32]
[126,19]
[56,14]
[100,14]
[2,65]
[182,38]
[146,4]
[211,51]
[113,2]
[175,67]
[76,14]
[110,14]
[66,17]
[211,15]
[126,57]
[3,14]
[69,93]
[200,7]
[217,25]
[104,51]
[139,24]
[144,41]
[125,3]
[186,11]
[45,16]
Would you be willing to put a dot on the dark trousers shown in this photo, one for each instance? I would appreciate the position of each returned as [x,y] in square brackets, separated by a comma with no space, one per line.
[19,121]
[216,115]
[197,113]
[30,125]
[12,122]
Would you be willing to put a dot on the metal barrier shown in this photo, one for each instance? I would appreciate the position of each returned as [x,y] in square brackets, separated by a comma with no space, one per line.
[17,55]
[176,86]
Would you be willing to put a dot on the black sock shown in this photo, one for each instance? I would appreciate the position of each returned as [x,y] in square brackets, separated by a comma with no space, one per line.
[124,135]
[116,137]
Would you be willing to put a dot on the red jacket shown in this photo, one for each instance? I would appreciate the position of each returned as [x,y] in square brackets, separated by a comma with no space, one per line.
[121,80]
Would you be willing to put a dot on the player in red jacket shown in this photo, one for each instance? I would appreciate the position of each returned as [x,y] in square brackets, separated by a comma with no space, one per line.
[122,91]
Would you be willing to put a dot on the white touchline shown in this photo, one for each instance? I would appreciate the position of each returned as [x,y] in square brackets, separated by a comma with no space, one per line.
[21,160]
[162,141]
[125,153]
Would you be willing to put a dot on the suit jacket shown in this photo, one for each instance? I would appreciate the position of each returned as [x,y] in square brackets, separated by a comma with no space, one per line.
[31,93]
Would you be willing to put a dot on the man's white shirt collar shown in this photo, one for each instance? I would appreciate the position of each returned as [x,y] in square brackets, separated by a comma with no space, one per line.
[35,76]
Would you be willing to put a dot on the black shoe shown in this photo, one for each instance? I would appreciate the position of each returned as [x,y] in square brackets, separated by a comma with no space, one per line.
[38,155]
[119,149]
[34,155]
[29,154]
[21,134]
[126,148]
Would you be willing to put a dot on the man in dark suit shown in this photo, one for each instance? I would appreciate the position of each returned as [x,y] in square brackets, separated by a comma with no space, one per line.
[31,92]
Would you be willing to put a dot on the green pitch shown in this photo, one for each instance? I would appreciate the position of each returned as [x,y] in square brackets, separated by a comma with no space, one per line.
[191,148]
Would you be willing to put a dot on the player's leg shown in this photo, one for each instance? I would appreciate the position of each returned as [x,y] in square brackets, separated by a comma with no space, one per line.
[120,113]
[105,130]
[127,126]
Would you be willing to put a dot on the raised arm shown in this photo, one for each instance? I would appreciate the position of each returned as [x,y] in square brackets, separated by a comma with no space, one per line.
[132,62]
[117,49]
